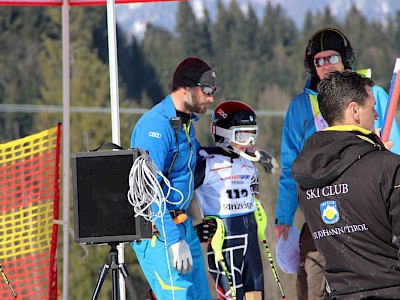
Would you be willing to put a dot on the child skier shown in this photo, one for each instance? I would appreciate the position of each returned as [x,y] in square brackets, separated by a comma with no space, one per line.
[227,184]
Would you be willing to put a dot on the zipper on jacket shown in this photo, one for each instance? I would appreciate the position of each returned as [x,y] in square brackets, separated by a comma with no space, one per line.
[186,127]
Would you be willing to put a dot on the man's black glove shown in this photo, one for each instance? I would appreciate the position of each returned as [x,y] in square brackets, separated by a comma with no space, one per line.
[268,162]
[205,230]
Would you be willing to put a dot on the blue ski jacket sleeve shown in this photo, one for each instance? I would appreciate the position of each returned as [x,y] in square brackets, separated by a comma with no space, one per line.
[154,133]
[298,126]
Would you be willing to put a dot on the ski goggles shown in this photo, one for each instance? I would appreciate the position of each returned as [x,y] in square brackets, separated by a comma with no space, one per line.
[245,137]
[241,135]
[332,60]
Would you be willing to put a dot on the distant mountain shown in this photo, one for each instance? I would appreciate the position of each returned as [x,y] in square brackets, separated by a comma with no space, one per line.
[133,17]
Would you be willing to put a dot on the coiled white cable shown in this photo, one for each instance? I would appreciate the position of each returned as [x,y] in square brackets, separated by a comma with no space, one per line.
[145,190]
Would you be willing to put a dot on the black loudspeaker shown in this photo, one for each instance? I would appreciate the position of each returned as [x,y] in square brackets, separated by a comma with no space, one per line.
[102,212]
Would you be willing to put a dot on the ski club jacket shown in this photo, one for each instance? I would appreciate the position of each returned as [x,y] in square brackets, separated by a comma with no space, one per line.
[154,133]
[299,125]
[349,193]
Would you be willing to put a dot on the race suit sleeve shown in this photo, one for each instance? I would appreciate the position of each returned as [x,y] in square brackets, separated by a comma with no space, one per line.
[381,98]
[200,174]
[156,137]
[293,136]
[254,185]
[254,181]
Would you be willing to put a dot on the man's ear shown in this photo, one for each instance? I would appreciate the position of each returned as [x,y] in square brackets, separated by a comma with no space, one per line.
[184,90]
[354,111]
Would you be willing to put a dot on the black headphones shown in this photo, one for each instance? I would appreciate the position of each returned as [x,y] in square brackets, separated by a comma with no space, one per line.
[348,55]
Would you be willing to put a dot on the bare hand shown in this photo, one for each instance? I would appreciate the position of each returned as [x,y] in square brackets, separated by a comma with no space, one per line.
[279,229]
[389,144]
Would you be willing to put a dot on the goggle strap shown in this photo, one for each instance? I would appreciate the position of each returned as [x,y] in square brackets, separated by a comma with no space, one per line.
[256,157]
[220,131]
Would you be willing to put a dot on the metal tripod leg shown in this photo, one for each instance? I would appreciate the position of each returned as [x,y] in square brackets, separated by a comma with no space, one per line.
[100,281]
[128,282]
[115,269]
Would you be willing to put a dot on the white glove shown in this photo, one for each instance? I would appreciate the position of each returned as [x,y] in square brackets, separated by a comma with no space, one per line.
[182,259]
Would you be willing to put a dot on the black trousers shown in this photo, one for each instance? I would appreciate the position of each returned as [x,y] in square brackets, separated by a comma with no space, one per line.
[242,256]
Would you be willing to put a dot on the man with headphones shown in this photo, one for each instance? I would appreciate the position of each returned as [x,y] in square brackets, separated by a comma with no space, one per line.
[328,50]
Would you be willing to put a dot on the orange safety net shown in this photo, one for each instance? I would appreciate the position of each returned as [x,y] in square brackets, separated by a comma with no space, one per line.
[29,202]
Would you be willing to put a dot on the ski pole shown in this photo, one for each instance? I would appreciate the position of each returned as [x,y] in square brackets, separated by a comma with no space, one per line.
[261,218]
[217,242]
[392,104]
[7,281]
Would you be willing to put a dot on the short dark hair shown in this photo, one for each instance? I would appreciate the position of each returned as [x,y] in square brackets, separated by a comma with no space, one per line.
[338,89]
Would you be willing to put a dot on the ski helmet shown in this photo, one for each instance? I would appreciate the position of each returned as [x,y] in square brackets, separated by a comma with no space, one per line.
[234,121]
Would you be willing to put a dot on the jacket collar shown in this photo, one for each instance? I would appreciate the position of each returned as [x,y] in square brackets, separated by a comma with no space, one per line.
[365,135]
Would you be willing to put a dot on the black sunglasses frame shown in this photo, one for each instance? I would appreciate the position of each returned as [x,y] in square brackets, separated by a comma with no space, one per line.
[207,90]
[328,59]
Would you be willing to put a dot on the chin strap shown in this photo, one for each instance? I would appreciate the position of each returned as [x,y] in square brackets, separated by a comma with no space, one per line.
[256,156]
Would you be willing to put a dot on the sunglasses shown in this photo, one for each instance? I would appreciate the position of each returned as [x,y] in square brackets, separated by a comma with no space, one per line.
[208,90]
[332,60]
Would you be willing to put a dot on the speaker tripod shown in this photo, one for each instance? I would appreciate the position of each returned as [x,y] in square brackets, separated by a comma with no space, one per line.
[115,269]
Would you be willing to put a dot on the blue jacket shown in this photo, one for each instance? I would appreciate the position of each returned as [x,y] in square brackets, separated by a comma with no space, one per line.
[297,128]
[154,133]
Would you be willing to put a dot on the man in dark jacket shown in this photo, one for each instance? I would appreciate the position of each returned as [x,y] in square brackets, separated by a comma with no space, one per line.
[349,192]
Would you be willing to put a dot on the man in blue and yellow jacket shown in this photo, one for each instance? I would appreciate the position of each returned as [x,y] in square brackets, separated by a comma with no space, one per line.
[167,133]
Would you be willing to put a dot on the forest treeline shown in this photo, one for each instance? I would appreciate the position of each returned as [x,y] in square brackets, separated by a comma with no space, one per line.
[257,61]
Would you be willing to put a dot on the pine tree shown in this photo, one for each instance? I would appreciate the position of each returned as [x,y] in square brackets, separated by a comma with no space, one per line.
[205,44]
[277,40]
[187,28]
[161,55]
[220,40]
[326,19]
[89,81]
[21,43]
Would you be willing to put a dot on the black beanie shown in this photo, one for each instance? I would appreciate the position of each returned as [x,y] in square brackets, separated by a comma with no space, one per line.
[191,71]
[327,40]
